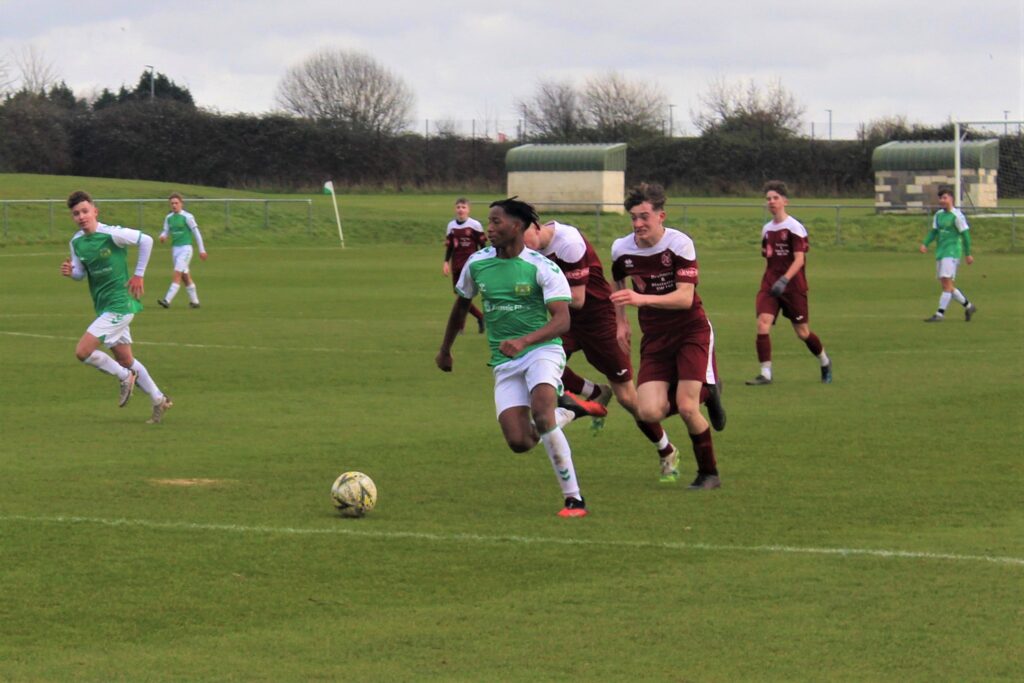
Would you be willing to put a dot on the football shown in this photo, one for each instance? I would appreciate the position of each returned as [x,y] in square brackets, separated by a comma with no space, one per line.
[354,494]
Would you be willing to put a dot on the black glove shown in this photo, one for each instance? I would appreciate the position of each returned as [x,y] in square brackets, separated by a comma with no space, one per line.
[779,286]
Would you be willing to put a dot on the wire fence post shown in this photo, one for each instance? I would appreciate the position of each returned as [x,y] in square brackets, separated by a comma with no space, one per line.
[1013,228]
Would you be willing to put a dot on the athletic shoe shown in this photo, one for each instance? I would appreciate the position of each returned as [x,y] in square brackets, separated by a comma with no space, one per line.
[603,398]
[574,507]
[669,473]
[716,413]
[936,318]
[159,409]
[826,373]
[760,379]
[193,305]
[164,302]
[480,325]
[969,310]
[705,482]
[127,386]
[580,406]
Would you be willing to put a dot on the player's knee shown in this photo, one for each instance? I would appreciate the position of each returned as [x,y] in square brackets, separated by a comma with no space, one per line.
[651,412]
[520,444]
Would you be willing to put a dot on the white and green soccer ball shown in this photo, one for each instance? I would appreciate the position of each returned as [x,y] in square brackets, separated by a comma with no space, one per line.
[354,494]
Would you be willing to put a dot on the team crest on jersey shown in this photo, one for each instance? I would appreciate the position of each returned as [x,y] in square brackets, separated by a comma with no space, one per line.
[666,259]
[628,263]
[104,253]
[523,288]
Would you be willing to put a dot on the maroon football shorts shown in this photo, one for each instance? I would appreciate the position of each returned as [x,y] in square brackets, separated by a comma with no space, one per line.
[597,341]
[690,355]
[793,305]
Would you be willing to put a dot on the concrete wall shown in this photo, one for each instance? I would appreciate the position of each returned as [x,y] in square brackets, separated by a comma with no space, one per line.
[581,189]
[916,190]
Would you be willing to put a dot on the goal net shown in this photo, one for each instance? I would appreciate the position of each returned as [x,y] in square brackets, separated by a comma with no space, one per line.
[990,170]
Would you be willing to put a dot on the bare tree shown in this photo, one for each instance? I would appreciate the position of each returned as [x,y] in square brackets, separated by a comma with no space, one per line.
[615,107]
[7,79]
[349,87]
[36,73]
[744,107]
[554,111]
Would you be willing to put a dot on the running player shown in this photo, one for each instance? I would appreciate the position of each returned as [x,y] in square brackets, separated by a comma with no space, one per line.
[950,227]
[183,229]
[99,252]
[463,238]
[593,326]
[526,299]
[677,352]
[784,246]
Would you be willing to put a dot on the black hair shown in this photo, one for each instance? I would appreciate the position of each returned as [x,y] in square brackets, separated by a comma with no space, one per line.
[520,210]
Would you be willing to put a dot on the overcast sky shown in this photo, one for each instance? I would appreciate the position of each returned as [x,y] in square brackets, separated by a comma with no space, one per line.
[865,59]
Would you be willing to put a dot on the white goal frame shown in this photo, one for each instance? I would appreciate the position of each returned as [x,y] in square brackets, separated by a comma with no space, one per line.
[958,138]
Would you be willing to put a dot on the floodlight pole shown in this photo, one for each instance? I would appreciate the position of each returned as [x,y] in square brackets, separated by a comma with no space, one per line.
[829,124]
[671,121]
[152,82]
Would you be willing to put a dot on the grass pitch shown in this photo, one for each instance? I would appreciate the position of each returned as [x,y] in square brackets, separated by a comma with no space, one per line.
[871,529]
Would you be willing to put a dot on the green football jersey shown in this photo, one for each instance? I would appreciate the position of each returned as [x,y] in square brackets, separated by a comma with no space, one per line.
[951,229]
[180,226]
[103,255]
[515,294]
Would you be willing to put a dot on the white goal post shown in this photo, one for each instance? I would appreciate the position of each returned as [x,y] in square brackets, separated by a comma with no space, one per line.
[993,130]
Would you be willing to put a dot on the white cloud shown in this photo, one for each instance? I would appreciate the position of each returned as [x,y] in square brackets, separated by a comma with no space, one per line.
[467,60]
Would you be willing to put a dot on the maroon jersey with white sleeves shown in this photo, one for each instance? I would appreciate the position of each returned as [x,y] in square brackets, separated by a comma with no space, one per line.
[464,239]
[656,270]
[779,243]
[581,265]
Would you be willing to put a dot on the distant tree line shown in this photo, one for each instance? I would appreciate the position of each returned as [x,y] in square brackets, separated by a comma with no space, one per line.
[154,131]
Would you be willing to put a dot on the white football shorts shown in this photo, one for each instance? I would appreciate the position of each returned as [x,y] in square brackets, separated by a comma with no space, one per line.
[112,328]
[946,267]
[514,380]
[182,256]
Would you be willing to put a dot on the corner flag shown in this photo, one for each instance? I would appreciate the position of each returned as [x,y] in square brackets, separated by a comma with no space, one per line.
[329,189]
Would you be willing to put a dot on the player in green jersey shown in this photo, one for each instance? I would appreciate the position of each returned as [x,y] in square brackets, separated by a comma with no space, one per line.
[182,228]
[99,253]
[526,307]
[949,227]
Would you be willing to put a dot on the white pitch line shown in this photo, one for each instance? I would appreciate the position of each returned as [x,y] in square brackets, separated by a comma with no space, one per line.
[318,349]
[229,347]
[525,540]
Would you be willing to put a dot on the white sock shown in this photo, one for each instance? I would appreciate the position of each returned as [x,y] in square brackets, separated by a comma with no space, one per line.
[146,383]
[588,389]
[105,363]
[563,416]
[823,357]
[560,455]
[944,301]
[171,291]
[663,444]
[766,369]
[959,296]
[191,291]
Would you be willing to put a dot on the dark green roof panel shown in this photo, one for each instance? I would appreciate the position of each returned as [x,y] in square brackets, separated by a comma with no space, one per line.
[929,156]
[610,157]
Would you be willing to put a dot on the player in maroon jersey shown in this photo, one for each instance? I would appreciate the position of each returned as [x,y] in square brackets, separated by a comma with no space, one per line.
[677,352]
[784,284]
[464,237]
[593,328]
